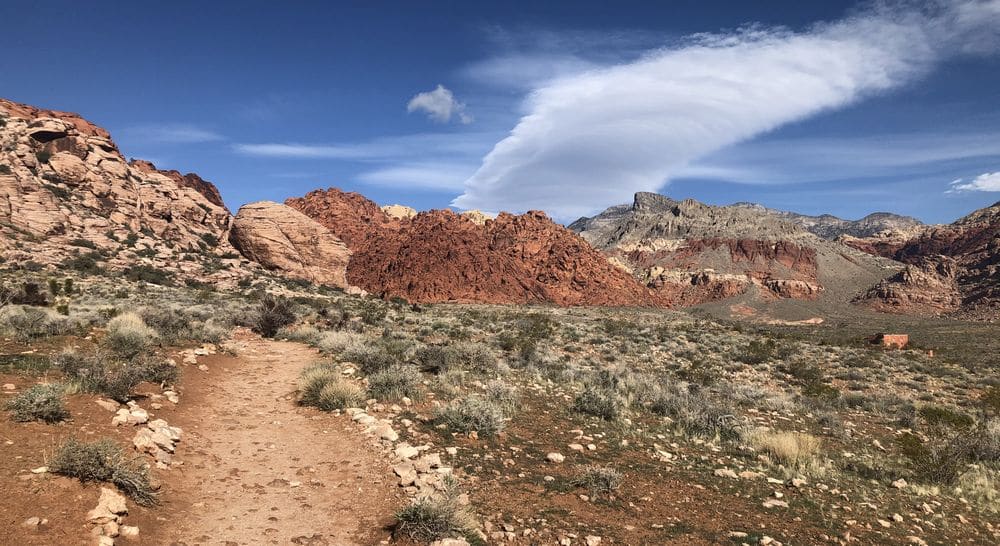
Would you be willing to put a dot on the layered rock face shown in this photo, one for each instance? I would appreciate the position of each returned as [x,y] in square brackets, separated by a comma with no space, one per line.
[440,256]
[283,239]
[956,267]
[65,186]
[697,253]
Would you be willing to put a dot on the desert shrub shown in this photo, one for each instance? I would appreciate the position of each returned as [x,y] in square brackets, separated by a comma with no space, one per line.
[940,416]
[271,314]
[695,411]
[104,461]
[305,333]
[116,378]
[370,358]
[939,460]
[502,394]
[43,156]
[340,395]
[599,402]
[472,357]
[600,480]
[794,450]
[372,312]
[758,351]
[39,403]
[150,274]
[322,387]
[473,413]
[88,263]
[27,323]
[431,519]
[83,243]
[128,335]
[338,342]
[981,486]
[175,325]
[312,381]
[528,332]
[394,383]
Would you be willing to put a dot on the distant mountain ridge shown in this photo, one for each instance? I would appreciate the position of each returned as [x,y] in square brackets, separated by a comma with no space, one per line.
[697,252]
[829,226]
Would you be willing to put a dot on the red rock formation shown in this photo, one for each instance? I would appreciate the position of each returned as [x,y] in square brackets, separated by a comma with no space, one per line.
[952,268]
[189,180]
[350,216]
[440,256]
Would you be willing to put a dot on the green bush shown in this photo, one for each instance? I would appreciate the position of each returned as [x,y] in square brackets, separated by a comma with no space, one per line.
[43,156]
[394,383]
[150,274]
[599,402]
[104,461]
[39,403]
[272,314]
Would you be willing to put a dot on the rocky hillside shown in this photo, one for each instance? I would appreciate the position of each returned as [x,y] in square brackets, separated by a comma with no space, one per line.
[72,201]
[696,252]
[831,227]
[952,268]
[440,256]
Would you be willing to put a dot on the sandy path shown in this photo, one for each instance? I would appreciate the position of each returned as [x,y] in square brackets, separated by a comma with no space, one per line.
[260,470]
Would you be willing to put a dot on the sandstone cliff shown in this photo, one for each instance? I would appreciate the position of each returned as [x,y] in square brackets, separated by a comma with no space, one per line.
[67,192]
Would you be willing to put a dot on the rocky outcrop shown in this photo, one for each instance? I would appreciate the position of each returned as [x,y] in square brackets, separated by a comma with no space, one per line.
[926,287]
[953,268]
[189,180]
[697,253]
[399,212]
[440,256]
[65,187]
[283,239]
[350,216]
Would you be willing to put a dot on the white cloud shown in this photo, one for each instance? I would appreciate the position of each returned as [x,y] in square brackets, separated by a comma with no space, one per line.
[170,133]
[595,137]
[440,105]
[983,182]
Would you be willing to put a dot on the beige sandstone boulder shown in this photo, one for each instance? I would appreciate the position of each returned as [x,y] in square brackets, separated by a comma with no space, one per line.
[399,212]
[283,239]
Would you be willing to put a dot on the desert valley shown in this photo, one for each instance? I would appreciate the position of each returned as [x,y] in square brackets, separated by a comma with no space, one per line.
[329,371]
[497,273]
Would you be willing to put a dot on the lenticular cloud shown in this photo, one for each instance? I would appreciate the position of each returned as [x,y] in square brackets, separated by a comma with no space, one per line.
[596,137]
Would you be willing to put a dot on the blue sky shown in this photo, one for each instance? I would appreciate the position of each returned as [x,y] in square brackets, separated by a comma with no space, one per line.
[838,107]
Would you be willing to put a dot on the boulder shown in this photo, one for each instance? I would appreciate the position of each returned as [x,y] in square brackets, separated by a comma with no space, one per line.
[281,238]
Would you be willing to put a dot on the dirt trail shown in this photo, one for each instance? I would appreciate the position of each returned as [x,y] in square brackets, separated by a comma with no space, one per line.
[260,470]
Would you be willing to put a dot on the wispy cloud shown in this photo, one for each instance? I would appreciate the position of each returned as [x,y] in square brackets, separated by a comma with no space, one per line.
[425,161]
[596,137]
[984,182]
[811,159]
[440,105]
[171,133]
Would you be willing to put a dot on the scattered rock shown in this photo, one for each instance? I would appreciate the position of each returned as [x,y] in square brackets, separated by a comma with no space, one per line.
[555,457]
[899,484]
[725,473]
